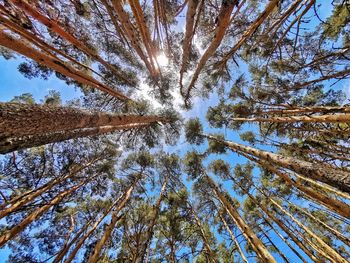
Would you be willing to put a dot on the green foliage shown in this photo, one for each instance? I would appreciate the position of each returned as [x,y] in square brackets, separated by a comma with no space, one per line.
[193,131]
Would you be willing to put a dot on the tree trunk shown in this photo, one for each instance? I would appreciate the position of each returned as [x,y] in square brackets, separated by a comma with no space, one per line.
[338,179]
[249,32]
[207,247]
[110,227]
[249,235]
[280,224]
[24,48]
[64,250]
[29,141]
[131,34]
[336,233]
[150,230]
[14,231]
[284,240]
[314,109]
[335,205]
[223,23]
[186,47]
[336,118]
[19,201]
[55,27]
[32,38]
[234,239]
[24,119]
[320,243]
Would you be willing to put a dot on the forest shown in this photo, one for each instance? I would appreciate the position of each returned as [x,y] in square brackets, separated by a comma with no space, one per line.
[153,131]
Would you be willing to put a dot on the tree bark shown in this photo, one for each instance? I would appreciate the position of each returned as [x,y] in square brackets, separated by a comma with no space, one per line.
[281,225]
[110,227]
[234,239]
[335,205]
[150,230]
[336,178]
[24,119]
[320,243]
[223,23]
[18,143]
[249,32]
[24,48]
[14,231]
[20,201]
[314,109]
[59,30]
[249,235]
[336,118]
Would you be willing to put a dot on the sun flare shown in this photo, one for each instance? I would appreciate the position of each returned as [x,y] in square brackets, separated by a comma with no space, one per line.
[162,60]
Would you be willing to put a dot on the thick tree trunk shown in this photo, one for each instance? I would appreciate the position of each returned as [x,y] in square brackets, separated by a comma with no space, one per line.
[14,231]
[59,30]
[24,119]
[234,239]
[249,32]
[249,235]
[110,227]
[24,48]
[19,201]
[223,23]
[320,243]
[335,205]
[336,118]
[338,179]
[18,143]
[150,230]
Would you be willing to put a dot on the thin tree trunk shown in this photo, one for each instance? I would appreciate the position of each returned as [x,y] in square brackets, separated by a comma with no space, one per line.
[284,240]
[285,259]
[25,119]
[338,179]
[336,118]
[189,33]
[320,243]
[131,34]
[64,250]
[110,227]
[208,249]
[234,239]
[150,230]
[145,34]
[14,231]
[20,201]
[335,232]
[314,109]
[280,224]
[18,143]
[41,44]
[24,48]
[335,205]
[250,236]
[223,23]
[55,27]
[252,28]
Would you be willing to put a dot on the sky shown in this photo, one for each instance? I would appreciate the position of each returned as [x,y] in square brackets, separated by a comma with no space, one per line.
[12,83]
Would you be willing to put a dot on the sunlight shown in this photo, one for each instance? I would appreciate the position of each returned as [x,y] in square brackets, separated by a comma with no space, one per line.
[162,60]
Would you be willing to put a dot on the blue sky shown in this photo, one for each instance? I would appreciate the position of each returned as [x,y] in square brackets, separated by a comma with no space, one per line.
[13,84]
